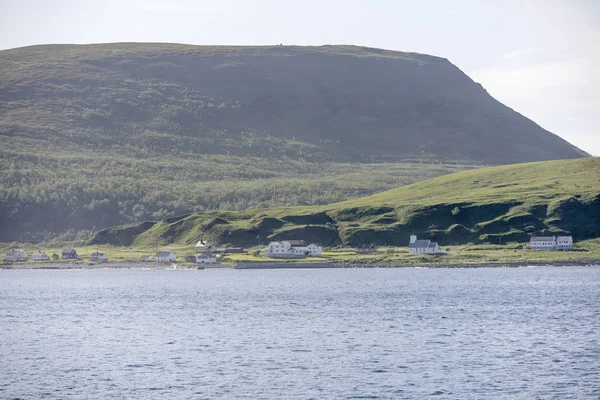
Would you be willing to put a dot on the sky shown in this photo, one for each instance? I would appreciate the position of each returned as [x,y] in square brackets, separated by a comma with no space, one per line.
[538,57]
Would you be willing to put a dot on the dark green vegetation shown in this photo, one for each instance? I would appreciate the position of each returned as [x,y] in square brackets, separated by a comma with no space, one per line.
[98,135]
[44,194]
[490,205]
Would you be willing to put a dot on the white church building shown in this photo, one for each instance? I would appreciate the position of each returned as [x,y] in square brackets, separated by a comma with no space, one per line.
[423,246]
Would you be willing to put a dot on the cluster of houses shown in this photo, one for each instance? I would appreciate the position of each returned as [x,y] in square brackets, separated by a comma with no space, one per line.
[20,255]
[170,256]
[207,253]
[292,249]
[419,246]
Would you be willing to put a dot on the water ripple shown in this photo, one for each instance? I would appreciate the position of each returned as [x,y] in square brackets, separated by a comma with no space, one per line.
[320,334]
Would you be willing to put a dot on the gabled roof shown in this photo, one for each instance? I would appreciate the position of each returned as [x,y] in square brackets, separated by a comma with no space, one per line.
[421,244]
[69,250]
[542,238]
[296,242]
[564,237]
[163,253]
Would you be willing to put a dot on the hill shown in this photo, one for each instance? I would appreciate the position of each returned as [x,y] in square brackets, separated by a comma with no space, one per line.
[109,134]
[489,205]
[338,103]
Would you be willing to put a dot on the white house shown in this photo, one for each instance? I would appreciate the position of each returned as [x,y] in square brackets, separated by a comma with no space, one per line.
[286,249]
[97,256]
[39,256]
[165,256]
[314,250]
[423,246]
[204,247]
[551,242]
[205,258]
[16,255]
[564,243]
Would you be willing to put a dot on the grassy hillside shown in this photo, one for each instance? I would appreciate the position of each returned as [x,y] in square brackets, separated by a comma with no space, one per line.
[99,135]
[490,205]
[65,196]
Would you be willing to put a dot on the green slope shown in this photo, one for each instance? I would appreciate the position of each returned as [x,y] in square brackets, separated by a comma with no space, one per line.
[490,205]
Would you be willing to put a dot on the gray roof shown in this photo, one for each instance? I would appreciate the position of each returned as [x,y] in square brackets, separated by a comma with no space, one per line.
[163,253]
[542,238]
[420,244]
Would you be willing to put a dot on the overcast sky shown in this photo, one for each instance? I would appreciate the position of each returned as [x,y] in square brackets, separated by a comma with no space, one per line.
[539,57]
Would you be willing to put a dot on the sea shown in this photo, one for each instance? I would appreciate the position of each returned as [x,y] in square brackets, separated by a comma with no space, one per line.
[393,333]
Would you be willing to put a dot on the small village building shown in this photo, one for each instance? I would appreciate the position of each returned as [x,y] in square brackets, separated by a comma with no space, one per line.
[69,254]
[39,256]
[282,250]
[205,258]
[312,250]
[564,243]
[98,256]
[285,249]
[423,246]
[204,247]
[551,242]
[165,256]
[367,248]
[146,258]
[16,255]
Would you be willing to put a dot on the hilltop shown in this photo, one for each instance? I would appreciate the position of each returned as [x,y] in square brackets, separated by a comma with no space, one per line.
[109,134]
[489,205]
[338,103]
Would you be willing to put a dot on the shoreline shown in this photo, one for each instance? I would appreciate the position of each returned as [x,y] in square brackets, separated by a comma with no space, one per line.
[291,265]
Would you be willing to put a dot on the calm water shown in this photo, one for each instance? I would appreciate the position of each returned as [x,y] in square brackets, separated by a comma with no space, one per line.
[531,333]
